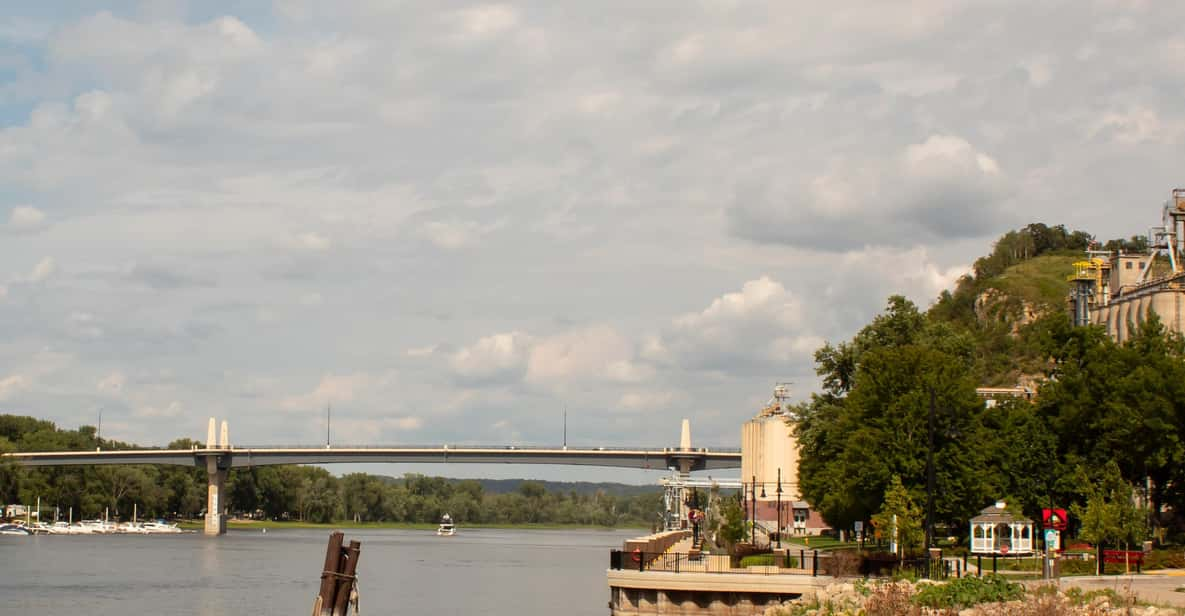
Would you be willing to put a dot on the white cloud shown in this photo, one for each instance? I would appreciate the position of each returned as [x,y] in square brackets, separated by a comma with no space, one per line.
[456,171]
[112,384]
[12,385]
[84,324]
[331,389]
[171,410]
[25,218]
[408,423]
[485,20]
[592,353]
[371,431]
[43,270]
[762,325]
[498,357]
[314,242]
[449,235]
[942,187]
[645,400]
[422,351]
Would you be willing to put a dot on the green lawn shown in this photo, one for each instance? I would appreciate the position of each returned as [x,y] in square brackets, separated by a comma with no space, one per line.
[1042,279]
[817,543]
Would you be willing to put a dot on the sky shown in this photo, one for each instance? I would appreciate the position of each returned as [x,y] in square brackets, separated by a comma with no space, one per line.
[454,222]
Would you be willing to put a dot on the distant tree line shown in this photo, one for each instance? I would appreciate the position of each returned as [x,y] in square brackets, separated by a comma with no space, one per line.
[1030,242]
[292,492]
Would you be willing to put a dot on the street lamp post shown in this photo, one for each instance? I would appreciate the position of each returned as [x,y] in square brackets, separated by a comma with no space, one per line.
[745,503]
[930,480]
[753,518]
[779,507]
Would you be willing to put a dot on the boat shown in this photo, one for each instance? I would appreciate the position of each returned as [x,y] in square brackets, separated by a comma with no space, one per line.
[14,529]
[97,527]
[446,528]
[132,528]
[160,527]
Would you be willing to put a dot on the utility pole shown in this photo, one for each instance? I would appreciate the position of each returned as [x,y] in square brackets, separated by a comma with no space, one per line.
[327,424]
[565,428]
[99,431]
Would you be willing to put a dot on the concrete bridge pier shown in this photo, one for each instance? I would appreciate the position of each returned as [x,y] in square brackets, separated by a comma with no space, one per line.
[215,483]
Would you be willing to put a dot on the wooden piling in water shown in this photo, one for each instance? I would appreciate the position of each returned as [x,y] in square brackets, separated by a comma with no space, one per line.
[337,577]
[346,581]
[333,554]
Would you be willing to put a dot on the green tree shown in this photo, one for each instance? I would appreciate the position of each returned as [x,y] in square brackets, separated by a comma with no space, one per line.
[732,528]
[11,474]
[899,519]
[1119,403]
[904,366]
[1109,515]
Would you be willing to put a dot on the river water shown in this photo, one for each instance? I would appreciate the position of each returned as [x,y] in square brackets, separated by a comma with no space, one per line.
[405,572]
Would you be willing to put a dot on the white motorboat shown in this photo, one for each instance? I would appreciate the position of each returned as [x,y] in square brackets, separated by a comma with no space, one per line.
[97,527]
[14,529]
[446,528]
[160,527]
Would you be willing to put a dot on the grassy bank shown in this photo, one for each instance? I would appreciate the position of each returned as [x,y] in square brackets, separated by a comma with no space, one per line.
[272,524]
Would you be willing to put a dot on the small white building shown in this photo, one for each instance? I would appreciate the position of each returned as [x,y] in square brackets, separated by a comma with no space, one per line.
[996,531]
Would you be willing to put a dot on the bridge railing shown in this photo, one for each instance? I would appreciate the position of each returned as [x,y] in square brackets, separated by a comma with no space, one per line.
[451,447]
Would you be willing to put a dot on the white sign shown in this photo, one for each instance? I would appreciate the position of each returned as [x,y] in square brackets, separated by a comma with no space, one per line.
[1052,539]
[859,526]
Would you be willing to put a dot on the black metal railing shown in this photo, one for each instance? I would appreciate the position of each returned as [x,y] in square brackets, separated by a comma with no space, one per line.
[802,562]
[808,562]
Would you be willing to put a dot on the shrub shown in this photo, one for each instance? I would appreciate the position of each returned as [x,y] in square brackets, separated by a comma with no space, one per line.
[1165,559]
[968,591]
[1077,596]
[758,560]
[843,563]
[894,599]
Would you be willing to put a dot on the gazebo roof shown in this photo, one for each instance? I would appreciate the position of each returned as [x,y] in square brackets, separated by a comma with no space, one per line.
[997,513]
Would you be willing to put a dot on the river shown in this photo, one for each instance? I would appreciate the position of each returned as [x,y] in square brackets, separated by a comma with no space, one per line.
[406,572]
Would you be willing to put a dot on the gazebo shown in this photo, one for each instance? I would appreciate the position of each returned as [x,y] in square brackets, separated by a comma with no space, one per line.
[996,531]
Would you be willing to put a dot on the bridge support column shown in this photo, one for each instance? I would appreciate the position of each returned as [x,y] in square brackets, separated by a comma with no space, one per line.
[215,481]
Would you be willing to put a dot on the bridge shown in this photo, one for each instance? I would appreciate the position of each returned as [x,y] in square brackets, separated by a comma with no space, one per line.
[218,457]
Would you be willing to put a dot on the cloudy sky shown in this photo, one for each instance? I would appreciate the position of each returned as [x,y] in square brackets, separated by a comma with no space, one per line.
[453,221]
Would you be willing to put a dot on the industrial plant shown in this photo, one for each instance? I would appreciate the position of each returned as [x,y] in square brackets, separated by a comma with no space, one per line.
[1119,290]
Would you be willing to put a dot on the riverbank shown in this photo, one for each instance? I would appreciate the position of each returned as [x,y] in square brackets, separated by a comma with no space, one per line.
[274,524]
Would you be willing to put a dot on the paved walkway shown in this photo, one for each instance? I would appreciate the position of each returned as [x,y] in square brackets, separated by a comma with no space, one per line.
[1157,587]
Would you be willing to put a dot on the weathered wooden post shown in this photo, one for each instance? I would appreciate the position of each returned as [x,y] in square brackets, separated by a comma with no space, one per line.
[337,577]
[333,554]
[347,578]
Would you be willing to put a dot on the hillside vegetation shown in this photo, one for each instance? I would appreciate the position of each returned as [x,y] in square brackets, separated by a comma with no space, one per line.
[1107,417]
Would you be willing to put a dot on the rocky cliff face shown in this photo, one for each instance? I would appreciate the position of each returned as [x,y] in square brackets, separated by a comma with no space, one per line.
[995,305]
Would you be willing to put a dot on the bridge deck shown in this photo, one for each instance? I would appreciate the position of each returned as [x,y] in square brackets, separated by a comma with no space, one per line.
[232,457]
